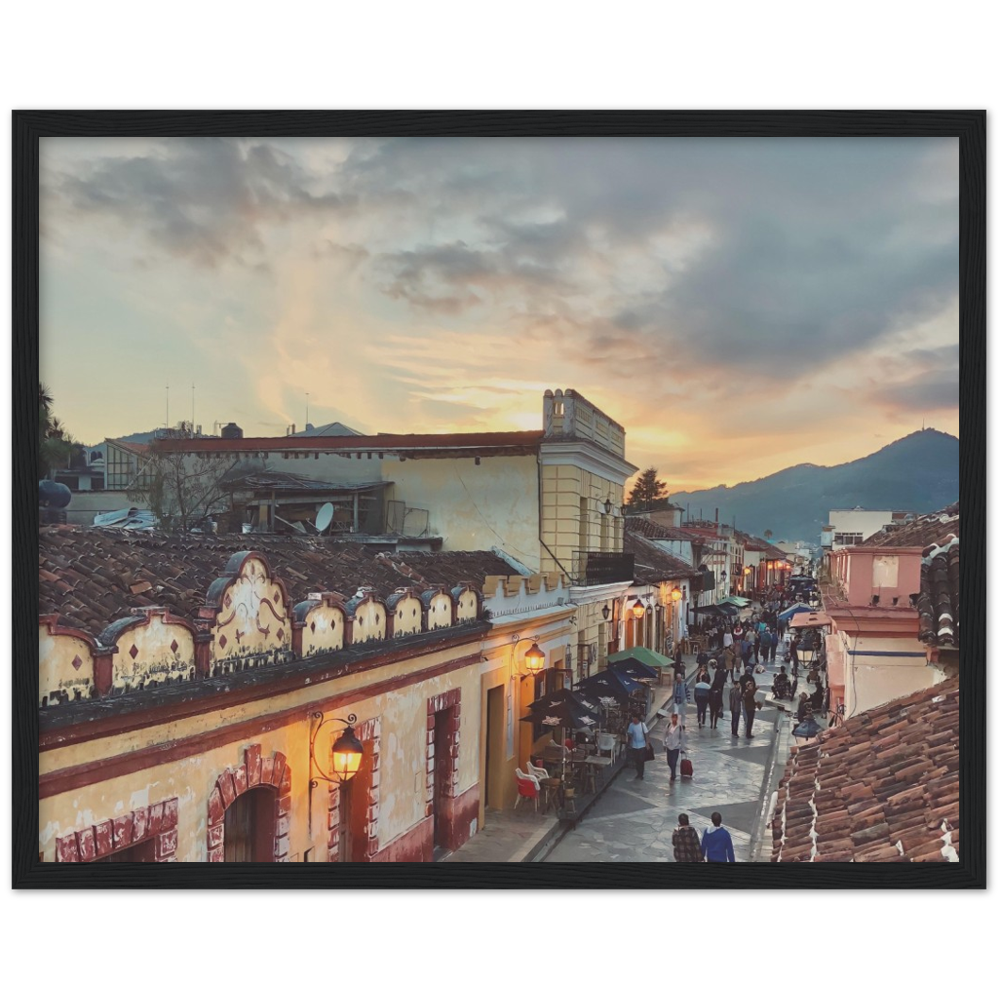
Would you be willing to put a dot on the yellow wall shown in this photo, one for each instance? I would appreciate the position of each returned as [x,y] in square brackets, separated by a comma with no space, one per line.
[408,617]
[56,672]
[566,526]
[163,653]
[328,633]
[473,506]
[402,774]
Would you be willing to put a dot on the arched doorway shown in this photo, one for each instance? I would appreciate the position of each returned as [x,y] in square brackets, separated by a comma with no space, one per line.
[250,826]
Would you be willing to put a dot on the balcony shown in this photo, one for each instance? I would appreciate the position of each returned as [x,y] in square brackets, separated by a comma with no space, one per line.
[591,569]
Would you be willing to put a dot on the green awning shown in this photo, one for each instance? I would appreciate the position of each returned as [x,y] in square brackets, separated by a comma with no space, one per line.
[740,602]
[643,655]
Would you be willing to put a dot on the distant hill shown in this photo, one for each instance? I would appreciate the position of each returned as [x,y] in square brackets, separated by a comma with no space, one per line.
[918,472]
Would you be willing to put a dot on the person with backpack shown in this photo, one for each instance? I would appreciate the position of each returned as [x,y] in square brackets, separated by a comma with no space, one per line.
[702,686]
[680,694]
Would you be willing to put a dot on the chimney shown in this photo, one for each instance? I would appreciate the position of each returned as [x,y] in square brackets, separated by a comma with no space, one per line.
[716,515]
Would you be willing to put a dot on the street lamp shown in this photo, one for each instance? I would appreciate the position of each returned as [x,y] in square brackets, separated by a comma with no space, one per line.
[606,612]
[347,751]
[675,594]
[608,505]
[638,610]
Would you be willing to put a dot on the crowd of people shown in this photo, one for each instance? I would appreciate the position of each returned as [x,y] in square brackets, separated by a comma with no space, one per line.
[737,651]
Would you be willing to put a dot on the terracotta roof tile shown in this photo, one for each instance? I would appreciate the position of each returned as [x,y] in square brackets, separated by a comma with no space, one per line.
[834,805]
[143,569]
[653,564]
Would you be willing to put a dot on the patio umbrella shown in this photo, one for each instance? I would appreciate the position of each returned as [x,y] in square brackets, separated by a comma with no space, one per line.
[641,654]
[609,682]
[561,715]
[795,609]
[635,669]
[716,609]
[579,700]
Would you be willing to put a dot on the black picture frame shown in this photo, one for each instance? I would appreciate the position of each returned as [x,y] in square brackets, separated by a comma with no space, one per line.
[968,126]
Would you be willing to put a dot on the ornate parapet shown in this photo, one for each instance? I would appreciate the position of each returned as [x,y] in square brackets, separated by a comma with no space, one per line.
[320,624]
[151,648]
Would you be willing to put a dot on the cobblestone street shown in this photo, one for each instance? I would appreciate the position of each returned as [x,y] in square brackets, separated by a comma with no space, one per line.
[634,820]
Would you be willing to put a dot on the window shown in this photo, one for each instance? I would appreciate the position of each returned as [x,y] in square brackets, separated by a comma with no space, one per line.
[848,538]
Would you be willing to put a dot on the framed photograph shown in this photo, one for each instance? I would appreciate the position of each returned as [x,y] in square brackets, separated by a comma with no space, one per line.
[420,496]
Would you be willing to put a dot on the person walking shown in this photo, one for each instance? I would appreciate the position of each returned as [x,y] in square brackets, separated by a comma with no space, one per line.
[756,646]
[749,704]
[716,842]
[729,659]
[793,652]
[765,646]
[702,686]
[715,704]
[680,694]
[686,844]
[735,706]
[673,743]
[747,647]
[636,742]
[720,674]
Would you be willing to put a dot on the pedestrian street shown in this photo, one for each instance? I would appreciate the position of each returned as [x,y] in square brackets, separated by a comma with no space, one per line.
[634,820]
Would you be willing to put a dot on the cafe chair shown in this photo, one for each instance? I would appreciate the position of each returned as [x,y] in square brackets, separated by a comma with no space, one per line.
[607,743]
[527,788]
[537,772]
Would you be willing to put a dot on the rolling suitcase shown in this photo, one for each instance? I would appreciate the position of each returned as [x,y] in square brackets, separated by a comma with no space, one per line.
[687,768]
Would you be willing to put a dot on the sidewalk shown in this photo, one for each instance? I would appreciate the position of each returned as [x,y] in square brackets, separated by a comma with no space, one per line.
[634,821]
[523,835]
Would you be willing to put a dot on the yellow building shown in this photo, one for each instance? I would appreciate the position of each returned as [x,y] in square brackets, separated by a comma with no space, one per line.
[189,698]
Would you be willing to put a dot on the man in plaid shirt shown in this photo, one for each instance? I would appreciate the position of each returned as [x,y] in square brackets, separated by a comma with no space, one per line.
[687,847]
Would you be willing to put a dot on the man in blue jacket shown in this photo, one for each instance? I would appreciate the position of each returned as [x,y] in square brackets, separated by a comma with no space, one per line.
[716,844]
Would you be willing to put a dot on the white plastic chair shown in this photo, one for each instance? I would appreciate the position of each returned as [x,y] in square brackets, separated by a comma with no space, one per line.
[608,742]
[537,772]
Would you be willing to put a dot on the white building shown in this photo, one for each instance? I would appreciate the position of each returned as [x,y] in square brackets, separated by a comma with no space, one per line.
[851,526]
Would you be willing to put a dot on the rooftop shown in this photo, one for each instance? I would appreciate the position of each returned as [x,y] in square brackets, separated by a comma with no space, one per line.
[652,564]
[92,577]
[882,786]
[921,531]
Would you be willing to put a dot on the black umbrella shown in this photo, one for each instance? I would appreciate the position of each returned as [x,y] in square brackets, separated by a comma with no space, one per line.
[559,715]
[609,682]
[579,700]
[635,668]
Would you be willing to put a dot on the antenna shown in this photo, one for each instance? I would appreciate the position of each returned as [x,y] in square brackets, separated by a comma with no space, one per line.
[307,409]
[192,407]
[167,424]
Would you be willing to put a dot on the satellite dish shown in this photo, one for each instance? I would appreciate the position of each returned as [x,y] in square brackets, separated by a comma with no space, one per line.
[324,517]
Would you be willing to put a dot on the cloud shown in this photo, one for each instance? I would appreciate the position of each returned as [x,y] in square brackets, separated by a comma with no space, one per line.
[204,199]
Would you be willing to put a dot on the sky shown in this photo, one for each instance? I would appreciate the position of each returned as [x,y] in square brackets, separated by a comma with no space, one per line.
[739,305]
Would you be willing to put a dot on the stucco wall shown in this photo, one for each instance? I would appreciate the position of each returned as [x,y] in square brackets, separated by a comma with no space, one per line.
[873,680]
[402,768]
[473,506]
[569,526]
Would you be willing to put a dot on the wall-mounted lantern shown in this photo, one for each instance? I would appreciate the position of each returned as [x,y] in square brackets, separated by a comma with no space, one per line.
[347,751]
[675,594]
[638,609]
[606,611]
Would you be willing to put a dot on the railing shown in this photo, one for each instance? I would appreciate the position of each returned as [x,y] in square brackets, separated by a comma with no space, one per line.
[594,568]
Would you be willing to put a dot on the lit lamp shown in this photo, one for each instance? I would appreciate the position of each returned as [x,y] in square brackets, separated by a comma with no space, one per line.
[347,751]
[534,659]
[637,609]
[675,594]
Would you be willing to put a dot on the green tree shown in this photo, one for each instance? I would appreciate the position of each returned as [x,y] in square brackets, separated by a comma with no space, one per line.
[55,443]
[769,534]
[646,489]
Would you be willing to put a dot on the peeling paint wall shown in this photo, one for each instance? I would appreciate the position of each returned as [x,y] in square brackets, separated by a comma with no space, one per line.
[152,653]
[473,506]
[65,668]
[408,616]
[369,622]
[254,617]
[402,714]
[323,630]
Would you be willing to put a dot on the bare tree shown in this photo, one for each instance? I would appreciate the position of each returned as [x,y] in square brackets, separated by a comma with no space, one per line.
[183,489]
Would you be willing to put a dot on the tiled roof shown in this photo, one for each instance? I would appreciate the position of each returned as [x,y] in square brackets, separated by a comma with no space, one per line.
[639,525]
[92,577]
[881,787]
[652,564]
[938,604]
[526,441]
[921,531]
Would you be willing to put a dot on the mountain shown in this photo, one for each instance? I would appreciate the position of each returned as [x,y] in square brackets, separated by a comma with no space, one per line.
[918,472]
